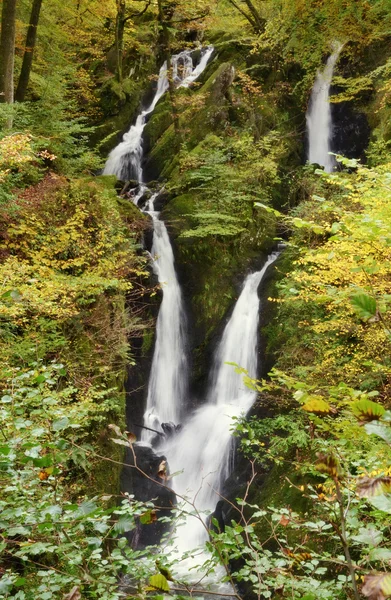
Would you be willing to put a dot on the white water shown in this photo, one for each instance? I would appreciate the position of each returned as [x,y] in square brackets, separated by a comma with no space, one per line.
[125,160]
[168,378]
[319,125]
[191,75]
[203,447]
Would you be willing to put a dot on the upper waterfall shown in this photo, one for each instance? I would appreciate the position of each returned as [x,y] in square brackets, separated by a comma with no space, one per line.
[125,160]
[319,123]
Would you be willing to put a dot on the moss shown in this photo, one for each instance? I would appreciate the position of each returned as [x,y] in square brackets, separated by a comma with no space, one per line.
[158,123]
[147,343]
[162,155]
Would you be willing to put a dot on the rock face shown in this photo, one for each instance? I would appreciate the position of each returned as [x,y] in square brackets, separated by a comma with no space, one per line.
[141,477]
[351,131]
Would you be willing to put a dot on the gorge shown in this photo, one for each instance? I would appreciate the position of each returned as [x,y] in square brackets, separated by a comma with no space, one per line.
[194,317]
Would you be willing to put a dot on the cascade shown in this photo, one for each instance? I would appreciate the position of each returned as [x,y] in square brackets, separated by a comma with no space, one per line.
[318,117]
[168,377]
[202,449]
[125,160]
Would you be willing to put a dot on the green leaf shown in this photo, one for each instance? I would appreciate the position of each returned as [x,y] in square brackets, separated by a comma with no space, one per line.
[123,524]
[94,542]
[18,530]
[159,582]
[86,508]
[366,410]
[60,424]
[380,554]
[368,536]
[379,429]
[364,305]
[382,502]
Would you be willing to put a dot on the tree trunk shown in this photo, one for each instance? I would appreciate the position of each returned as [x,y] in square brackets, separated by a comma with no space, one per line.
[7,51]
[167,55]
[28,51]
[119,36]
[256,22]
[259,22]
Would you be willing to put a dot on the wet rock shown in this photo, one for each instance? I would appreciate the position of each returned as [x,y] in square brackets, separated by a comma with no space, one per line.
[142,476]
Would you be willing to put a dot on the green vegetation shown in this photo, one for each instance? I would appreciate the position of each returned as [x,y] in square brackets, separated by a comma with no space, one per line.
[315,521]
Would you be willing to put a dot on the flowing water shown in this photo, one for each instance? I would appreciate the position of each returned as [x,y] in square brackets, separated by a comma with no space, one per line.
[169,374]
[125,160]
[202,450]
[319,124]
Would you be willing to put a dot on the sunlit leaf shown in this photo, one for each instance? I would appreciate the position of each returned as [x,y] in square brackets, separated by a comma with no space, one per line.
[317,405]
[366,410]
[377,586]
[327,463]
[159,582]
[148,517]
[368,487]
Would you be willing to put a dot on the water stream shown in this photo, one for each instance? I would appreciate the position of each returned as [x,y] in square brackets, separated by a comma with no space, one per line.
[125,160]
[202,450]
[169,374]
[319,124]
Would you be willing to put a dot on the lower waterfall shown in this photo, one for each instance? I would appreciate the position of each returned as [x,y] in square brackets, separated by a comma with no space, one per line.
[202,450]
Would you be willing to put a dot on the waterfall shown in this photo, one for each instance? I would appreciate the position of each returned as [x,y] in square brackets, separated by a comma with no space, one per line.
[125,160]
[168,377]
[319,124]
[202,449]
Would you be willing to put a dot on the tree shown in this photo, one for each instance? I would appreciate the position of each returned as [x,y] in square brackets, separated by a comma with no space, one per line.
[120,22]
[251,14]
[7,51]
[28,51]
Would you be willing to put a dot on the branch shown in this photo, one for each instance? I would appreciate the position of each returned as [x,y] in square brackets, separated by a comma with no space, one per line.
[240,9]
[192,19]
[135,15]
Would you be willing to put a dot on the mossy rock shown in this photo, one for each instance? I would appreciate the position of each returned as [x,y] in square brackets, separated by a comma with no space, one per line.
[160,162]
[160,158]
[159,122]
